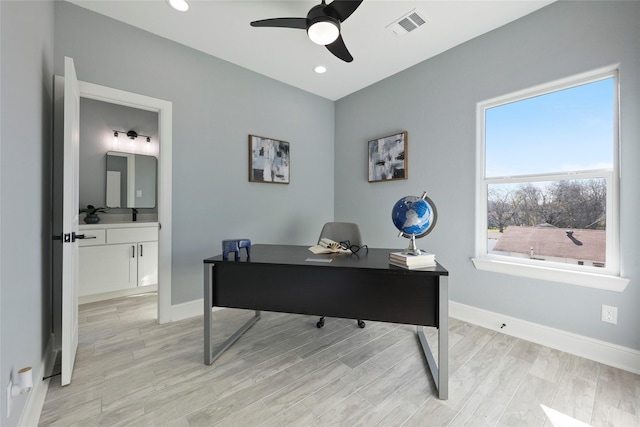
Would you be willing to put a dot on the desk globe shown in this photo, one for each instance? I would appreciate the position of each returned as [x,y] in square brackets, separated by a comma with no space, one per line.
[415,217]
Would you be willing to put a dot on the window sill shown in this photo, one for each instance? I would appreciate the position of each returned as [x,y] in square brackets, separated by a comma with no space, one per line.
[591,280]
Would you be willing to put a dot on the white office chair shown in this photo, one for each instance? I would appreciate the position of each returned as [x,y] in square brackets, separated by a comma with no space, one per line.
[340,232]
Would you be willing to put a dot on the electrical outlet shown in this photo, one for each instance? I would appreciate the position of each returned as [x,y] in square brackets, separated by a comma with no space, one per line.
[610,314]
[9,398]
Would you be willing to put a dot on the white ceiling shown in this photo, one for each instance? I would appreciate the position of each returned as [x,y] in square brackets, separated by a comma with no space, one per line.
[221,28]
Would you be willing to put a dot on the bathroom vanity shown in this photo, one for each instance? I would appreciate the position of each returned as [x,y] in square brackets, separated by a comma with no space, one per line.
[118,259]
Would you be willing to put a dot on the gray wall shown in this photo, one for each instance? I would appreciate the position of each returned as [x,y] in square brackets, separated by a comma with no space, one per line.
[26,69]
[98,120]
[435,101]
[215,106]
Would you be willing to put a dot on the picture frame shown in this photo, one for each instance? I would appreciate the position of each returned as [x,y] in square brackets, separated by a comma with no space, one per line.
[388,157]
[269,160]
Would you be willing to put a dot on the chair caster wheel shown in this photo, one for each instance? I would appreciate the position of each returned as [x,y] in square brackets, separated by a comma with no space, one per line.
[320,324]
[361,323]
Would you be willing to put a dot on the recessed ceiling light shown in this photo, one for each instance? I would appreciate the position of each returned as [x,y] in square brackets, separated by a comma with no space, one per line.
[320,69]
[180,5]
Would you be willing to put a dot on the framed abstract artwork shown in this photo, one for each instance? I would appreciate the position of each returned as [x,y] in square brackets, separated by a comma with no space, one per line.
[388,158]
[269,160]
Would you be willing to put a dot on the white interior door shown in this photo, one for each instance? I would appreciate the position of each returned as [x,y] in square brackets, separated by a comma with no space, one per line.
[70,265]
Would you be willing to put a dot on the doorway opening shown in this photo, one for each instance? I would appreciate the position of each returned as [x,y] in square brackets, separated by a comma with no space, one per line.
[118,176]
[164,113]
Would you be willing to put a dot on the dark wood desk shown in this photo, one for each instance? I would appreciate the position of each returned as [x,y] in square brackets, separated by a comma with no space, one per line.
[291,279]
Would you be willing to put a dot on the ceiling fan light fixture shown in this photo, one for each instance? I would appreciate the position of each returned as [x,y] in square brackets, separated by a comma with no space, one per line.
[179,5]
[322,24]
[324,31]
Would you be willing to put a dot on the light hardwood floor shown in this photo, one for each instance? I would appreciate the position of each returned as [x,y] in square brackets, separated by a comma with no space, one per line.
[286,372]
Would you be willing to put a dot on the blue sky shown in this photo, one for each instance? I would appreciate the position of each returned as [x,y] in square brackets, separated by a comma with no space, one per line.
[562,131]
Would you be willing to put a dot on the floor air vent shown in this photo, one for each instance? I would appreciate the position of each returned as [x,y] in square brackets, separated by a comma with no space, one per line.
[407,23]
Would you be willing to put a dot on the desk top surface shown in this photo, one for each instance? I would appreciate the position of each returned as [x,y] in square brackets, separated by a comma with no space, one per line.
[375,258]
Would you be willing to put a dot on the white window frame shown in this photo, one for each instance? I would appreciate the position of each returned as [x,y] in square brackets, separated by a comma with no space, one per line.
[607,278]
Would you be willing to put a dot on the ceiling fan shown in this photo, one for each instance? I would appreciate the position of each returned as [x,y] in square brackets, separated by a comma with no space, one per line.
[322,24]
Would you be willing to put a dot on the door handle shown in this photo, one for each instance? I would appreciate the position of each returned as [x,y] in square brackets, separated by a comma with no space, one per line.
[75,236]
[133,251]
[141,250]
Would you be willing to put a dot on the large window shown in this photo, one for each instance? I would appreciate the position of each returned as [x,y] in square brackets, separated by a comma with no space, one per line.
[548,182]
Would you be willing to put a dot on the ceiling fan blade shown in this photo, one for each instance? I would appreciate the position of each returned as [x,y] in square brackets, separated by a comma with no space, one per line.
[300,23]
[339,49]
[343,8]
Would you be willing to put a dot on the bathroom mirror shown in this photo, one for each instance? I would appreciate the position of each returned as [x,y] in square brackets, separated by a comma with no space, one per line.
[131,180]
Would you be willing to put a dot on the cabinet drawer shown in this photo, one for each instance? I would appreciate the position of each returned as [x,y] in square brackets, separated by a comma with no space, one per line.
[132,235]
[100,237]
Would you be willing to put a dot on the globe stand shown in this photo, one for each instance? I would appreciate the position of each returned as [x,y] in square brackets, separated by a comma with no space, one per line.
[412,249]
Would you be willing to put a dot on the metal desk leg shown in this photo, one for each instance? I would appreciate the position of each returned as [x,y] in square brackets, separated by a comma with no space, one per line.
[208,305]
[443,340]
[209,354]
[440,370]
[233,338]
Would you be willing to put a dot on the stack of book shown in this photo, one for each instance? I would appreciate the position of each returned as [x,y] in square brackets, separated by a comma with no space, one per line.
[411,262]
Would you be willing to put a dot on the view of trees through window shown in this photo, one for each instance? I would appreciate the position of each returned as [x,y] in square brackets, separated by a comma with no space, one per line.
[549,163]
[566,204]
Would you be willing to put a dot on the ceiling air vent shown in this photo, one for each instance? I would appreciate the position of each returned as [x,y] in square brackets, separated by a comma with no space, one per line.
[407,23]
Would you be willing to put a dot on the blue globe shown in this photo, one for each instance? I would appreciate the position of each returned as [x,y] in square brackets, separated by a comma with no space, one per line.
[414,215]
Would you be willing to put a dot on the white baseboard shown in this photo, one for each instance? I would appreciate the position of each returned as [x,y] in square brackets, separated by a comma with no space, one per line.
[117,294]
[35,398]
[579,345]
[189,309]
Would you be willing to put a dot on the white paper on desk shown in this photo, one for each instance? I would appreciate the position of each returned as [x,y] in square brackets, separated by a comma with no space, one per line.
[319,259]
[328,246]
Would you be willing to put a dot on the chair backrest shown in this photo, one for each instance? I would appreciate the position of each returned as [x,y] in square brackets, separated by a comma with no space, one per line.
[341,231]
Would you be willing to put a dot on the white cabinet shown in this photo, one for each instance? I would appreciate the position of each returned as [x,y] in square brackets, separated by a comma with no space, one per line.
[120,257]
[147,263]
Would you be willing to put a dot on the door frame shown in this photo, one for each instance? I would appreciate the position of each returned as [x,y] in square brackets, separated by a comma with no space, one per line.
[165,125]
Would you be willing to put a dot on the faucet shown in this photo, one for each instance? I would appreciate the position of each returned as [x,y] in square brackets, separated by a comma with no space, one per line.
[134,211]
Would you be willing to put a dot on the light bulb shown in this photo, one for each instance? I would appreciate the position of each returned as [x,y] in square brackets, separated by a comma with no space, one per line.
[323,32]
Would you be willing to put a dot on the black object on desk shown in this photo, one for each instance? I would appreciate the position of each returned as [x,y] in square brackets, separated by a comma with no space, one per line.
[354,286]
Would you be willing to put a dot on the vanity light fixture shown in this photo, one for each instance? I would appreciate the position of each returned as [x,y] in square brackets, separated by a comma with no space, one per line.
[132,134]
